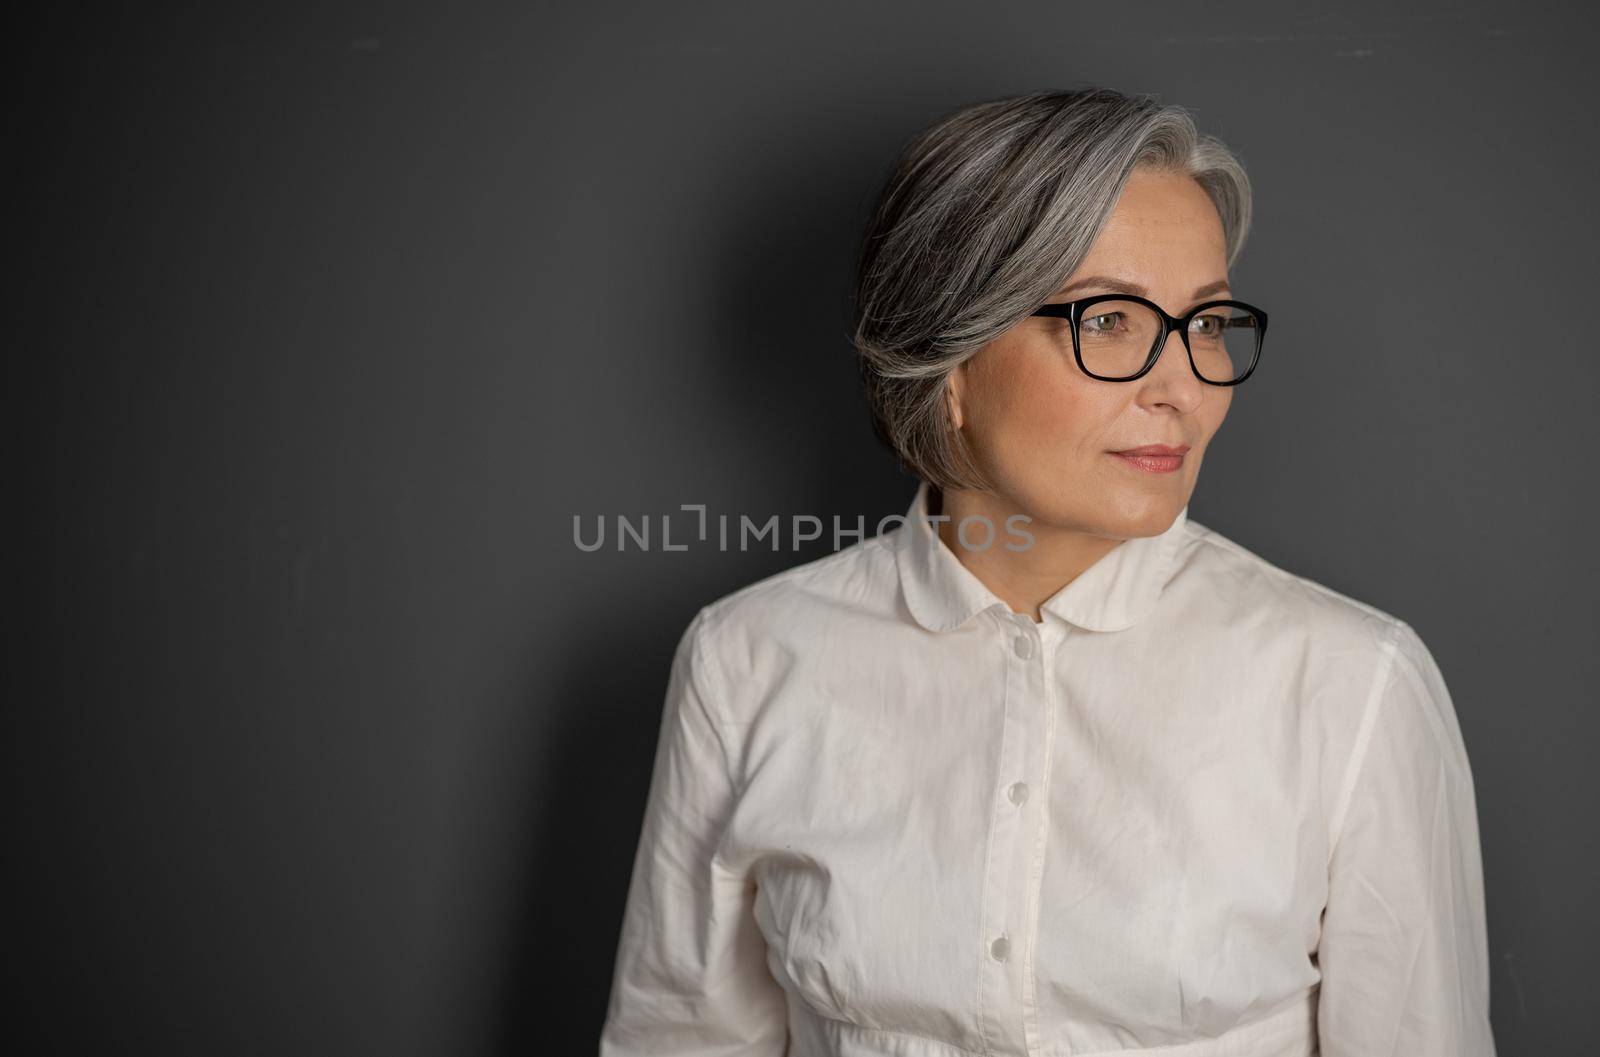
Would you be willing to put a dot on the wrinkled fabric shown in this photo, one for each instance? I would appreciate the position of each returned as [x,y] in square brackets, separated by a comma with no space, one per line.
[1206,808]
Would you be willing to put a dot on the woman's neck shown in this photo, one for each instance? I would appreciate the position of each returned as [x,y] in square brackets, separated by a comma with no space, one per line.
[1023,579]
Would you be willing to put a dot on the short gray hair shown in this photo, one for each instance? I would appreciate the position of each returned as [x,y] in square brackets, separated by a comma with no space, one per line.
[983,216]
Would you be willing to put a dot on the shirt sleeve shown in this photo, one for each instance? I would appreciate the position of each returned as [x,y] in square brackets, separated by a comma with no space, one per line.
[1404,949]
[691,974]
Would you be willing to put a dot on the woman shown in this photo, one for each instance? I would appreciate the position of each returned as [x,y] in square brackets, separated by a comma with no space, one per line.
[1051,768]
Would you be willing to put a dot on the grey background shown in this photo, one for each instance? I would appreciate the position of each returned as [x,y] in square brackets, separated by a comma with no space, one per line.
[322,734]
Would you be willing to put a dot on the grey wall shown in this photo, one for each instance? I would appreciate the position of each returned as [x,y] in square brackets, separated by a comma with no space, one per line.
[322,734]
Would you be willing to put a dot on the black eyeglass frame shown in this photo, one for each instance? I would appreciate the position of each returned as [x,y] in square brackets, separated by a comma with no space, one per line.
[1073,311]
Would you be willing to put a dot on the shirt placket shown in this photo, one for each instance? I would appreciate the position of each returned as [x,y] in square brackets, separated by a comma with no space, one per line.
[1016,844]
[1050,635]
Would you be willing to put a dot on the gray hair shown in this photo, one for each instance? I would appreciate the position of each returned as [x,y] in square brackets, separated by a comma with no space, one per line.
[983,215]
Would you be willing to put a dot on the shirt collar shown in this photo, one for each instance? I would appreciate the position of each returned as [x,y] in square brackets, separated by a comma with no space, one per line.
[1110,595]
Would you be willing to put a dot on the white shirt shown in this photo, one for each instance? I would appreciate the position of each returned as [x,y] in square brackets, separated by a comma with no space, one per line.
[1207,808]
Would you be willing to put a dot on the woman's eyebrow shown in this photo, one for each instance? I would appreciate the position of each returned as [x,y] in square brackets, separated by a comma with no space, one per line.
[1123,286]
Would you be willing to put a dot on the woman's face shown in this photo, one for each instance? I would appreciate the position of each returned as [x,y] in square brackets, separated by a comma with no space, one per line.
[1045,433]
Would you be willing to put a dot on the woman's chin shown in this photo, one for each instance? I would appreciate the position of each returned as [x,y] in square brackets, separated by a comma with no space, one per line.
[1129,513]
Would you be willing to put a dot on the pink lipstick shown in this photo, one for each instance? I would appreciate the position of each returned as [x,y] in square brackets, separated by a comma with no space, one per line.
[1154,458]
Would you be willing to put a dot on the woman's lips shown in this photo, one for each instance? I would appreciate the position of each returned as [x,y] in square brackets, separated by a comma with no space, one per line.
[1151,461]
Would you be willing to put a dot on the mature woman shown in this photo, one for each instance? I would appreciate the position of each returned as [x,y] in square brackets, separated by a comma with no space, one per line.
[1050,767]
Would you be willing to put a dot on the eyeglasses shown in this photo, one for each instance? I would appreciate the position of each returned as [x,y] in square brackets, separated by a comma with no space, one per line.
[1119,337]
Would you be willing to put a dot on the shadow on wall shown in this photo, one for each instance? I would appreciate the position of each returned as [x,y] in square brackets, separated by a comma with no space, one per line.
[795,421]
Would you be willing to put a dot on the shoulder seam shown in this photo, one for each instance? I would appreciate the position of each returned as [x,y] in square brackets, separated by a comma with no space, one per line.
[1382,676]
[1416,661]
[703,670]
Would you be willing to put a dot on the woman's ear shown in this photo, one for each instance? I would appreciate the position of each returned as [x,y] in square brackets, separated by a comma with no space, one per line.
[952,395]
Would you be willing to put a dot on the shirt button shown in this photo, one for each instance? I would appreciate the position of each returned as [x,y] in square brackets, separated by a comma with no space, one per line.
[1018,792]
[1024,646]
[1000,948]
